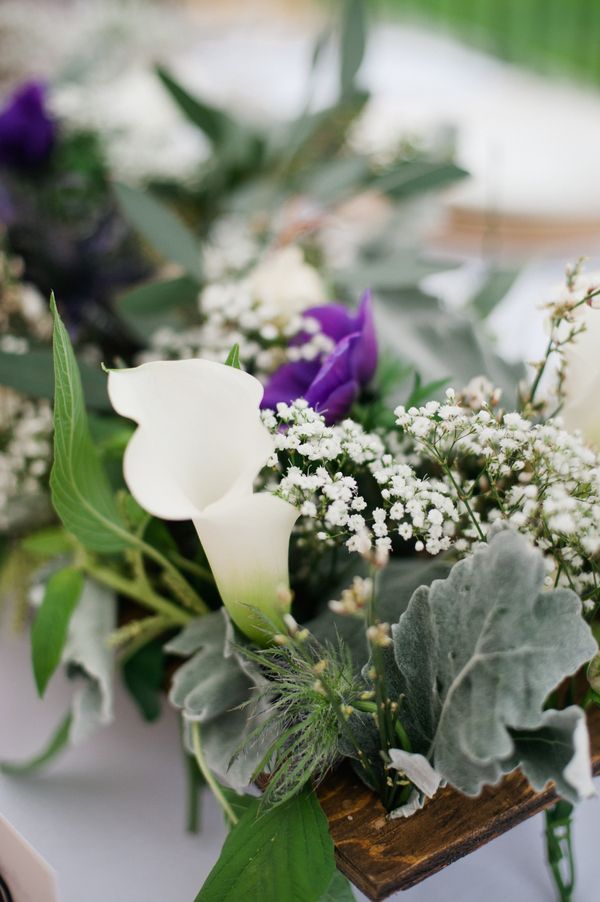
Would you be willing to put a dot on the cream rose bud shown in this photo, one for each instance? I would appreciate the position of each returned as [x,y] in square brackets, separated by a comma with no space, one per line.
[199,445]
[286,284]
[582,386]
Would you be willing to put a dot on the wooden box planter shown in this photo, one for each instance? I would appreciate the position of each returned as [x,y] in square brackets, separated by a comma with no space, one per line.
[381,856]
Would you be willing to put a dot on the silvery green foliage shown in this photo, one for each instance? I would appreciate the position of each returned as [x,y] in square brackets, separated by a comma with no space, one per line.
[216,688]
[87,650]
[558,750]
[210,683]
[478,654]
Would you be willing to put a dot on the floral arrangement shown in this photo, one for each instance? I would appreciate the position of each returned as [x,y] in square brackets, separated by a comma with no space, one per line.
[414,591]
[58,213]
[332,532]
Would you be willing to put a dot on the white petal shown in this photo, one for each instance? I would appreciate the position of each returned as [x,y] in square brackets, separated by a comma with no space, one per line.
[246,540]
[200,435]
[578,771]
[414,804]
[418,770]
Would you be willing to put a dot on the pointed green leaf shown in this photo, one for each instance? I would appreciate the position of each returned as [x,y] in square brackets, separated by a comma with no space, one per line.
[81,493]
[50,628]
[353,44]
[421,393]
[233,358]
[161,228]
[50,542]
[416,177]
[284,854]
[216,124]
[497,284]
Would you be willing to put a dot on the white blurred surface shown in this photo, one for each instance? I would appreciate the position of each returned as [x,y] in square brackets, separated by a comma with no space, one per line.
[109,815]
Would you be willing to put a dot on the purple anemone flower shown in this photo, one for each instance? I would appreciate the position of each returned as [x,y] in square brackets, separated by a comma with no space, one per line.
[27,131]
[331,384]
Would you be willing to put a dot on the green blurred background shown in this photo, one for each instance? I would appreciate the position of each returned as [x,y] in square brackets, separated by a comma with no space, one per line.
[556,36]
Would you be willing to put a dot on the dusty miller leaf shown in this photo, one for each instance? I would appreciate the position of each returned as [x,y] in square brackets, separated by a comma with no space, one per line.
[558,750]
[87,650]
[210,683]
[479,652]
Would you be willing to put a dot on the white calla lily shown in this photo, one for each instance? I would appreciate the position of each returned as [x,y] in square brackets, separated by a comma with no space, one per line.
[199,446]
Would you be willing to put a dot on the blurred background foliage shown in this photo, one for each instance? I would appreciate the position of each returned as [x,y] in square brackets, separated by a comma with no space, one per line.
[559,36]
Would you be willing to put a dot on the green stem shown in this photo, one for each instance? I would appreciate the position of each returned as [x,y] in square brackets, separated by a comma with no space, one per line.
[210,780]
[559,848]
[194,783]
[189,595]
[151,629]
[462,497]
[138,593]
[402,735]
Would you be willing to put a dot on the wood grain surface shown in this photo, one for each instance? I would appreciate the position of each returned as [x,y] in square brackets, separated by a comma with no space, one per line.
[381,856]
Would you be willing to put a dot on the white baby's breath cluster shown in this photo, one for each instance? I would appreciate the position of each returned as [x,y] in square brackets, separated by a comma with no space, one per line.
[501,468]
[348,486]
[25,425]
[25,457]
[24,314]
[321,471]
[261,312]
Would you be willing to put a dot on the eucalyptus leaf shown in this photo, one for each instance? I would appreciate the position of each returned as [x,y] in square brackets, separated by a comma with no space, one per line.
[353,43]
[151,306]
[163,230]
[479,653]
[216,124]
[81,492]
[283,854]
[31,374]
[496,285]
[51,624]
[397,270]
[410,177]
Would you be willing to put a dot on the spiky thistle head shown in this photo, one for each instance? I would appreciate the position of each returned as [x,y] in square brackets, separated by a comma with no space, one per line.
[310,696]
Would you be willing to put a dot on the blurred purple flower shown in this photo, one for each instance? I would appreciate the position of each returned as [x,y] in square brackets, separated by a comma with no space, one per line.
[27,131]
[331,384]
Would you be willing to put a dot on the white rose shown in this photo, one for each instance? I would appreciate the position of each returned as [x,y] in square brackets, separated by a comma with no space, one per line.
[285,284]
